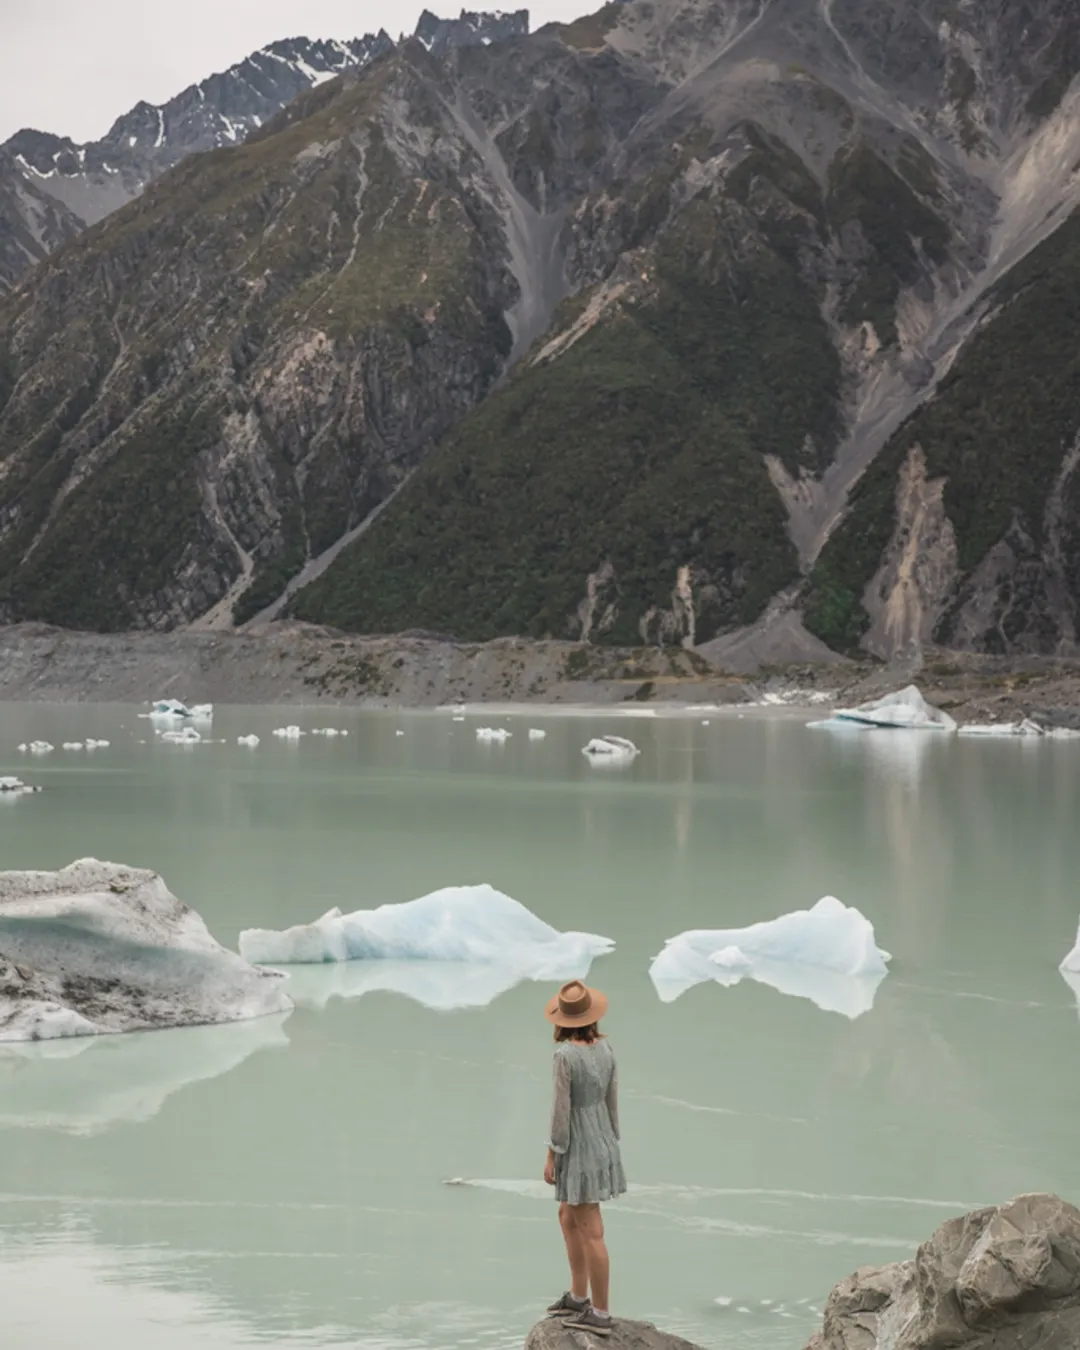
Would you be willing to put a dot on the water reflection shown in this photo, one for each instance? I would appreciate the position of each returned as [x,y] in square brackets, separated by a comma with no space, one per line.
[850,995]
[85,1084]
[440,985]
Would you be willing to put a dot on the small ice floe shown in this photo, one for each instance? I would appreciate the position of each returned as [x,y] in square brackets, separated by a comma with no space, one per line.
[1025,727]
[457,719]
[610,750]
[827,954]
[456,924]
[98,947]
[327,731]
[202,712]
[536,734]
[184,736]
[72,745]
[494,734]
[247,740]
[290,733]
[15,786]
[92,744]
[905,710]
[399,733]
[40,748]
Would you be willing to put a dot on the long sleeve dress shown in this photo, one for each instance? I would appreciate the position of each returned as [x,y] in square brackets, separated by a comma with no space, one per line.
[585,1124]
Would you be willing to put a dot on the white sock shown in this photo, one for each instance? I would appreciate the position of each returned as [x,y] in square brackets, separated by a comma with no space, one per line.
[579,1300]
[601,1312]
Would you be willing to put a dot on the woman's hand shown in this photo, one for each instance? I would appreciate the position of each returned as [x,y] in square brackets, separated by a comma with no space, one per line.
[549,1168]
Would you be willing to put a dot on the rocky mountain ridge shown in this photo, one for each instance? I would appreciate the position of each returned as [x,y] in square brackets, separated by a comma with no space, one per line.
[613,332]
[81,184]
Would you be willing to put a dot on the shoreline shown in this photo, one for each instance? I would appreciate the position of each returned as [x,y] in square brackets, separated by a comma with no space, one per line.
[297,665]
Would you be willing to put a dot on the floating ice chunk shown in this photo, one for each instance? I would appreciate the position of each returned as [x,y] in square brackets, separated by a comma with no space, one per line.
[15,786]
[399,733]
[290,733]
[536,734]
[458,923]
[496,734]
[827,954]
[169,708]
[457,719]
[616,748]
[906,709]
[202,712]
[92,744]
[247,740]
[72,745]
[1071,963]
[40,748]
[185,736]
[327,731]
[23,747]
[99,947]
[1026,727]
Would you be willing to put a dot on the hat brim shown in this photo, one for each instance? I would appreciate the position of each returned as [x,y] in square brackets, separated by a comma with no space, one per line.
[597,1008]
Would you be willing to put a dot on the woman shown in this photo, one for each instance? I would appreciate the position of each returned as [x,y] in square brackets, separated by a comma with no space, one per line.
[583,1160]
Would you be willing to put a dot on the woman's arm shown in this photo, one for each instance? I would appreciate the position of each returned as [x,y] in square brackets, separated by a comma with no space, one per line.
[613,1099]
[559,1138]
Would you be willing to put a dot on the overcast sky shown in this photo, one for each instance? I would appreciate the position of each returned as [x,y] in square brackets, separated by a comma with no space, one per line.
[73,66]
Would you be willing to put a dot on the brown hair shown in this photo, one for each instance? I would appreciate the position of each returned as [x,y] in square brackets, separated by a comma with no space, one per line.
[587,1034]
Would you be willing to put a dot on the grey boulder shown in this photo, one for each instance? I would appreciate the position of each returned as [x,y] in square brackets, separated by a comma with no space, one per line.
[553,1334]
[1002,1278]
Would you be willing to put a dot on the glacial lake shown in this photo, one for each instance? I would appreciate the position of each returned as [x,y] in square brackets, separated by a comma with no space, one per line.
[282,1182]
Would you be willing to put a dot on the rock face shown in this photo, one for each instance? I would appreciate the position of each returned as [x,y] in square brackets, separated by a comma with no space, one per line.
[99,947]
[84,183]
[1005,1278]
[720,314]
[626,1335]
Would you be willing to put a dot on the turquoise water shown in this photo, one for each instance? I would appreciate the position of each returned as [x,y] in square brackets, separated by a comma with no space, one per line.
[284,1181]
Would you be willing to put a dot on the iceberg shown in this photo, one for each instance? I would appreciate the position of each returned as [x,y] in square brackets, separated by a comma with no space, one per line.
[827,954]
[1071,964]
[169,707]
[98,947]
[247,740]
[904,710]
[616,748]
[91,744]
[290,733]
[458,923]
[496,734]
[40,748]
[15,786]
[536,734]
[327,731]
[1026,727]
[202,712]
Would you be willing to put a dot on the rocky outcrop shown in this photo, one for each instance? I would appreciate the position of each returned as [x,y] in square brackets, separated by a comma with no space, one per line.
[1004,1278]
[551,1334]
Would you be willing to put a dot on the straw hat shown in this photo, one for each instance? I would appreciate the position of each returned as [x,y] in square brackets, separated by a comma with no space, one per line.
[576,1005]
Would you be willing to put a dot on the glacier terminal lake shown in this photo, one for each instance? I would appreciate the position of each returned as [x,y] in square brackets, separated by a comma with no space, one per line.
[283,1182]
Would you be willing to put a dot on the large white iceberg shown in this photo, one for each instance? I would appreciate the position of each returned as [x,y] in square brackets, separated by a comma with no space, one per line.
[904,710]
[15,786]
[98,947]
[827,954]
[458,923]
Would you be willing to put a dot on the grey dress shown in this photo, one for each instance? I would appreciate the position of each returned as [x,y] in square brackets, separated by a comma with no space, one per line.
[585,1124]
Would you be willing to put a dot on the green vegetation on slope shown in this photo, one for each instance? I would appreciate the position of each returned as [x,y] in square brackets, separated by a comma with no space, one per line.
[997,429]
[863,188]
[641,446]
[121,537]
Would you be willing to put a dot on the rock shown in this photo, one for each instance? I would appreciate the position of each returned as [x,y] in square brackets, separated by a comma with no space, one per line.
[551,1334]
[1004,1278]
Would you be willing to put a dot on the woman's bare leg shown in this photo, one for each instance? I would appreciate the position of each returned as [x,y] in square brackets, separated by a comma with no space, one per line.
[590,1223]
[575,1251]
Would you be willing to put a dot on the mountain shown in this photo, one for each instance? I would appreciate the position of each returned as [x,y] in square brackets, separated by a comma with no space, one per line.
[688,321]
[94,179]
